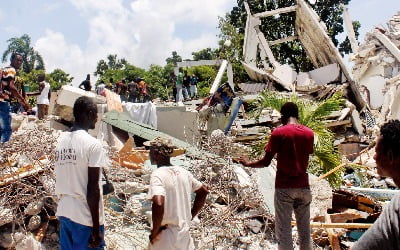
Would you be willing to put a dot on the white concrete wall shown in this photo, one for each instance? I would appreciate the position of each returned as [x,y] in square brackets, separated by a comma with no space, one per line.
[177,122]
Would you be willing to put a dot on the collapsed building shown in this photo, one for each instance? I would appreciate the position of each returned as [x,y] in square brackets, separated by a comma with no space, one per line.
[239,210]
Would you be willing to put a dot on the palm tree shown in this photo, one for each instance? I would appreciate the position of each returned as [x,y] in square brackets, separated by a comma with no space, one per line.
[32,59]
[311,114]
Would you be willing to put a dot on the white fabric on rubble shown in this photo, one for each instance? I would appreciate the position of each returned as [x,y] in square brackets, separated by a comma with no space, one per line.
[142,112]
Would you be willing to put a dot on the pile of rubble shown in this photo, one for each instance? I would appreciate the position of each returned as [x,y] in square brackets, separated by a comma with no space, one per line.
[377,69]
[28,203]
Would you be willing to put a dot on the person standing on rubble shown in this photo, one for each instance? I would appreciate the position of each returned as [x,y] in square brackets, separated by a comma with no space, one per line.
[43,100]
[7,92]
[79,159]
[179,86]
[293,144]
[16,105]
[86,85]
[170,191]
[385,232]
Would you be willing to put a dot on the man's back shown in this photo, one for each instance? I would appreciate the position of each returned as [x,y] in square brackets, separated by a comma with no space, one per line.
[293,143]
[176,184]
[75,152]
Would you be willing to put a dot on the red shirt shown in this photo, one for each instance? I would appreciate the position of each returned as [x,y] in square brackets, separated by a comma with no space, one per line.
[293,143]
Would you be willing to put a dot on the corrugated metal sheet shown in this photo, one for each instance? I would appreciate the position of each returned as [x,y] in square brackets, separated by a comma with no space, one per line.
[123,121]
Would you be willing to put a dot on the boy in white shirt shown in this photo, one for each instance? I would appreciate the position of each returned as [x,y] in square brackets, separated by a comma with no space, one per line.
[170,191]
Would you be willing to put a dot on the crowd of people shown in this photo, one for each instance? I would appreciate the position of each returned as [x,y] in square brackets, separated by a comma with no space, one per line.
[185,86]
[134,91]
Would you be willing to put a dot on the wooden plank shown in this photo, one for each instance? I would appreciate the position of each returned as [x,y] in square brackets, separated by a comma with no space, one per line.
[266,47]
[332,171]
[276,12]
[332,236]
[365,208]
[338,123]
[282,40]
[351,214]
[337,225]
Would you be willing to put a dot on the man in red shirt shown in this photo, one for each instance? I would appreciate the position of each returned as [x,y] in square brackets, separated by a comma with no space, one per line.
[292,143]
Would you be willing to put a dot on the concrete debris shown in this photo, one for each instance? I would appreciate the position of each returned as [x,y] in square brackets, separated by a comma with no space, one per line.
[377,67]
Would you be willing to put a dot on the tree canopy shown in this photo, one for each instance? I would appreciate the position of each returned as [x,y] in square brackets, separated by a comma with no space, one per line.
[281,26]
[32,59]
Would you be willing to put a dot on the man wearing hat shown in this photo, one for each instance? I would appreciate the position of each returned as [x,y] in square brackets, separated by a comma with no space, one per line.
[170,191]
[7,92]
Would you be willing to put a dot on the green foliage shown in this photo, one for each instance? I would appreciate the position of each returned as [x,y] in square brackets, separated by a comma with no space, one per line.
[233,52]
[311,114]
[32,60]
[174,59]
[158,87]
[30,79]
[281,26]
[57,78]
[112,64]
[205,76]
[205,54]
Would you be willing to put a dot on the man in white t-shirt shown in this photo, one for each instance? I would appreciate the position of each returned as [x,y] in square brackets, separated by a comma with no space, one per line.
[170,191]
[43,100]
[79,158]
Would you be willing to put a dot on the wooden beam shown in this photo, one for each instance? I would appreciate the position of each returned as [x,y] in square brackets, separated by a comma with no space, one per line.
[276,12]
[333,238]
[266,47]
[332,171]
[337,225]
[282,40]
[337,123]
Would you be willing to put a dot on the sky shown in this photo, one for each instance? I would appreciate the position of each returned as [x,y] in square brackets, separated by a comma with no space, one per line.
[75,34]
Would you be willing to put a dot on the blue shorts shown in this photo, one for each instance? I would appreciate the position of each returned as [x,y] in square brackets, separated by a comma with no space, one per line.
[76,236]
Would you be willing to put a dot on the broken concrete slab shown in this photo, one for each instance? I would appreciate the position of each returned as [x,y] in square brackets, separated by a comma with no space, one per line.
[326,74]
[286,74]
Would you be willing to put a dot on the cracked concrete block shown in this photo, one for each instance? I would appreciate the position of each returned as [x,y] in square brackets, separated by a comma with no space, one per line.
[286,74]
[326,74]
[304,79]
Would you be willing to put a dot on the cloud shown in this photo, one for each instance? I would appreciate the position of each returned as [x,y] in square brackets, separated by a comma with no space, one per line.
[141,31]
[57,53]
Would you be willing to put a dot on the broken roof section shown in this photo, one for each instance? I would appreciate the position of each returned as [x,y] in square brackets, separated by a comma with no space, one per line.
[311,32]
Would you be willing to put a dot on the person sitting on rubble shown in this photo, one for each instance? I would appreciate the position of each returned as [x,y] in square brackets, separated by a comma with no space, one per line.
[170,192]
[7,91]
[293,144]
[79,159]
[385,232]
